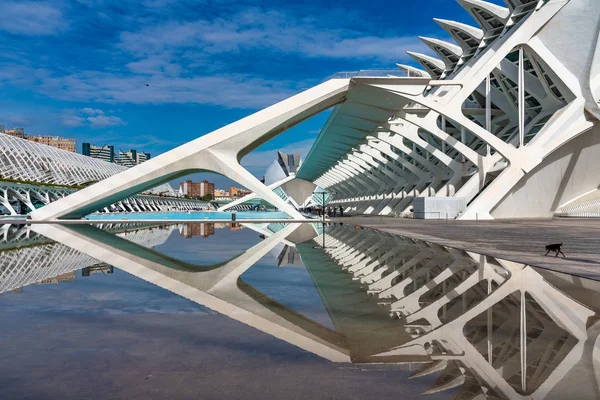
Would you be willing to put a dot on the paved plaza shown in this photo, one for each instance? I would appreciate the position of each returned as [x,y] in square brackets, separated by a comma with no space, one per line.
[521,240]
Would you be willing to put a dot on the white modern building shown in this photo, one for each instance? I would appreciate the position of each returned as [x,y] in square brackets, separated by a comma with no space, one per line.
[507,125]
[506,119]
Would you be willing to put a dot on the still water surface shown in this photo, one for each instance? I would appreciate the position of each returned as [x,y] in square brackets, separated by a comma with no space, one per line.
[220,311]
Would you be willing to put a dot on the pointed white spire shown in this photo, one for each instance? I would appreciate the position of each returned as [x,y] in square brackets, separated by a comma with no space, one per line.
[468,37]
[432,65]
[449,53]
[413,72]
[488,15]
[512,4]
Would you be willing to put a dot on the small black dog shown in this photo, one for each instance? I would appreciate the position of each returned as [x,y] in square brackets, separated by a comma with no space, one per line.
[555,248]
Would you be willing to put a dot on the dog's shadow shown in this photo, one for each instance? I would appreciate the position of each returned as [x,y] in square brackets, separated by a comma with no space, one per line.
[581,260]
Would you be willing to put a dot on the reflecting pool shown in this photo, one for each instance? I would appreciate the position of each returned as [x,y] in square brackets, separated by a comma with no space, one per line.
[272,310]
[189,215]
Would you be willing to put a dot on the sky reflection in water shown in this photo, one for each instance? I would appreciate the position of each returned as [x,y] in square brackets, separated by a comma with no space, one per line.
[132,338]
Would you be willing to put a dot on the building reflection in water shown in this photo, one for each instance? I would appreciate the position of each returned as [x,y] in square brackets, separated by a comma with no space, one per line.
[487,328]
[494,328]
[205,230]
[289,256]
[100,268]
[27,257]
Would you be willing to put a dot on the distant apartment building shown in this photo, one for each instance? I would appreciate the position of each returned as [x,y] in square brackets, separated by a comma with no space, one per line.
[132,158]
[189,188]
[54,141]
[57,142]
[141,157]
[238,192]
[1,128]
[221,193]
[67,277]
[105,153]
[125,159]
[194,189]
[16,132]
[207,188]
[194,229]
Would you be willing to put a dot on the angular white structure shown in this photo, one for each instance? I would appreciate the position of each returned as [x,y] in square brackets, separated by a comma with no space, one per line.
[514,129]
[219,151]
[507,118]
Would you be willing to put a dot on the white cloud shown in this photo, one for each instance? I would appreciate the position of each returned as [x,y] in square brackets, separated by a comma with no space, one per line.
[103,121]
[94,118]
[180,62]
[72,121]
[231,90]
[270,30]
[92,111]
[31,18]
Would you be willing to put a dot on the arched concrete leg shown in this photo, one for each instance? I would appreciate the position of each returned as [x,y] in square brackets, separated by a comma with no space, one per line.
[218,151]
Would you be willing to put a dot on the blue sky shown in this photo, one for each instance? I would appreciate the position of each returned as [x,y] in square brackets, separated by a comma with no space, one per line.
[79,68]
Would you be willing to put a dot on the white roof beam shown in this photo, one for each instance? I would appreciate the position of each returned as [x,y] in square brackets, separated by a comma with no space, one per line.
[449,53]
[492,18]
[432,65]
[413,72]
[468,37]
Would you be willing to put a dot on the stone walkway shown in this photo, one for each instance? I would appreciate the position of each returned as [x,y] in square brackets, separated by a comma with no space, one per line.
[521,240]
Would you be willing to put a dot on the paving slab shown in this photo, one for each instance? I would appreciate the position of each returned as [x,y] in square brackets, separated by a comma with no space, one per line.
[522,240]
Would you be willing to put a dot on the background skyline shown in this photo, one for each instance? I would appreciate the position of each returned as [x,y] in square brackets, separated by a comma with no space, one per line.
[154,74]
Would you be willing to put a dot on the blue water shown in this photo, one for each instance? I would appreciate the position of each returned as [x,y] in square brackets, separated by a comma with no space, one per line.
[193,215]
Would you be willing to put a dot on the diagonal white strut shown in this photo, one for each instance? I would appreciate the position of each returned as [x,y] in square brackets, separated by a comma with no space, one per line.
[219,151]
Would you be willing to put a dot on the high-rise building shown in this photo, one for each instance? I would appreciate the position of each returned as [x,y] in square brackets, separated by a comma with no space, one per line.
[54,141]
[193,189]
[189,188]
[1,128]
[105,153]
[207,188]
[195,229]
